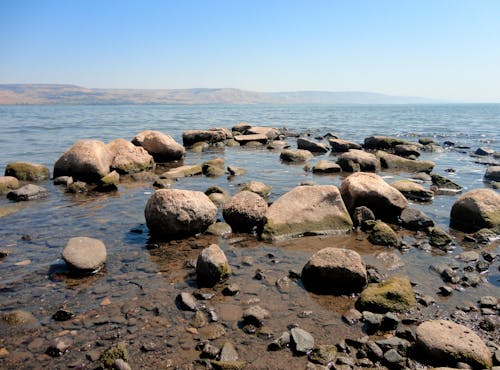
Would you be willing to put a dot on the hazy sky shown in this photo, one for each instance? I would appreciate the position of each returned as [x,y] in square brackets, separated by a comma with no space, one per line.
[439,48]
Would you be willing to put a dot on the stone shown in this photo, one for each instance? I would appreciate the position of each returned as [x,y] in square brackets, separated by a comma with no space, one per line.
[488,301]
[324,166]
[383,234]
[255,315]
[415,219]
[334,270]
[361,216]
[187,302]
[228,352]
[296,156]
[27,171]
[412,190]
[356,160]
[161,146]
[444,184]
[175,212]
[231,289]
[77,187]
[219,229]
[396,163]
[426,140]
[407,150]
[445,342]
[191,137]
[109,182]
[182,171]
[492,174]
[370,190]
[393,294]
[212,266]
[128,158]
[392,357]
[59,346]
[236,171]
[8,183]
[20,318]
[241,127]
[484,151]
[109,356]
[63,180]
[468,256]
[227,365]
[257,187]
[439,238]
[278,145]
[307,210]
[28,192]
[352,316]
[84,256]
[270,132]
[311,145]
[245,139]
[281,342]
[302,340]
[476,209]
[340,146]
[120,364]
[382,142]
[214,167]
[245,211]
[87,160]
[323,354]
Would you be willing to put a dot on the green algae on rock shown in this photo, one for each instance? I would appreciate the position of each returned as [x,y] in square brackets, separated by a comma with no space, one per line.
[393,294]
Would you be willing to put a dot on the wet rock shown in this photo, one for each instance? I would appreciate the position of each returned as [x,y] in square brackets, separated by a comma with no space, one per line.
[382,142]
[257,187]
[334,270]
[278,145]
[27,171]
[109,182]
[63,315]
[415,219]
[213,167]
[311,145]
[302,341]
[357,160]
[236,171]
[373,351]
[59,346]
[187,302]
[255,315]
[191,137]
[325,166]
[445,342]
[128,158]
[307,210]
[492,174]
[426,300]
[407,150]
[444,184]
[8,183]
[227,365]
[352,316]
[86,160]
[4,253]
[390,321]
[245,211]
[339,145]
[394,294]
[164,183]
[383,234]
[370,190]
[468,256]
[298,155]
[270,132]
[393,358]
[484,151]
[219,229]
[395,343]
[323,354]
[114,353]
[413,191]
[395,162]
[212,266]
[281,342]
[28,192]
[450,276]
[162,147]
[361,216]
[476,209]
[439,238]
[182,171]
[84,256]
[202,146]
[247,139]
[228,352]
[174,212]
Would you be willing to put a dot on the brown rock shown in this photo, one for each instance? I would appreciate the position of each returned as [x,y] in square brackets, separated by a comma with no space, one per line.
[412,190]
[311,145]
[475,210]
[8,183]
[339,145]
[298,155]
[270,132]
[84,255]
[245,211]
[191,137]
[397,163]
[162,147]
[492,173]
[357,160]
[245,139]
[325,166]
[128,158]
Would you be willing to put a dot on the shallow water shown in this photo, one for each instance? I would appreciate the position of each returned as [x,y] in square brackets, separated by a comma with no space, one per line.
[143,280]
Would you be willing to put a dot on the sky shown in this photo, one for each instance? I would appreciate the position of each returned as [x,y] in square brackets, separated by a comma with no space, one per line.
[444,49]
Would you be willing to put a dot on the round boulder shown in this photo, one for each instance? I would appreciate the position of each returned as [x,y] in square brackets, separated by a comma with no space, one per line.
[175,212]
[370,190]
[334,270]
[475,210]
[212,266]
[26,171]
[245,211]
[298,155]
[84,256]
[162,147]
[128,158]
[8,183]
[445,343]
[356,160]
[86,160]
[492,174]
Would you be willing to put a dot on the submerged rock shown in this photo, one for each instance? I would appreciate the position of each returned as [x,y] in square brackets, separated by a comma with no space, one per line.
[174,212]
[334,270]
[212,266]
[28,192]
[394,294]
[395,162]
[308,210]
[162,147]
[298,155]
[84,256]
[245,211]
[27,171]
[475,210]
[444,184]
[446,343]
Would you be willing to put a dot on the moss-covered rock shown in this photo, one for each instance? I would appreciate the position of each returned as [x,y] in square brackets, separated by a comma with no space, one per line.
[112,354]
[394,294]
[397,163]
[439,238]
[383,234]
[26,171]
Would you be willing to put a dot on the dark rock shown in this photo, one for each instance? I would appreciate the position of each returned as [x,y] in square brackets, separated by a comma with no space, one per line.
[255,315]
[383,234]
[339,145]
[488,324]
[310,145]
[445,290]
[324,166]
[407,150]
[298,155]
[415,219]
[442,183]
[390,321]
[63,315]
[361,215]
[392,357]
[439,238]
[484,151]
[231,289]
[26,171]
[245,211]
[187,302]
[191,137]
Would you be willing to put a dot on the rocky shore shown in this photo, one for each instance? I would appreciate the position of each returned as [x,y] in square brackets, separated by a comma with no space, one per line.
[231,302]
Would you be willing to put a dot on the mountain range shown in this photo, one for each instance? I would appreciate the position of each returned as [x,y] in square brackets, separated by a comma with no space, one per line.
[57,94]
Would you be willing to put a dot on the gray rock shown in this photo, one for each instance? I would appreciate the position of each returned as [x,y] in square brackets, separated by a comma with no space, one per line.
[468,256]
[302,340]
[415,219]
[187,302]
[476,209]
[281,342]
[84,255]
[28,192]
[310,145]
[392,357]
[228,352]
[255,315]
[245,211]
[323,354]
[128,158]
[382,142]
[407,150]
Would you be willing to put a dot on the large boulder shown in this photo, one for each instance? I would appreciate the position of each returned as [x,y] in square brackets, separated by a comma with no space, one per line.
[412,190]
[212,266]
[475,210]
[311,145]
[334,270]
[191,137]
[397,163]
[87,160]
[370,190]
[175,212]
[162,147]
[28,192]
[383,142]
[8,183]
[27,171]
[84,256]
[245,211]
[356,160]
[394,294]
[446,343]
[324,166]
[128,158]
[306,210]
[297,155]
[339,145]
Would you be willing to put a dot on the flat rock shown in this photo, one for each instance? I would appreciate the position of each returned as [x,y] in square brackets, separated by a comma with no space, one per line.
[311,145]
[270,132]
[324,166]
[397,163]
[182,171]
[339,145]
[444,184]
[84,255]
[191,137]
[412,190]
[415,219]
[245,139]
[27,171]
[446,343]
[28,192]
[297,155]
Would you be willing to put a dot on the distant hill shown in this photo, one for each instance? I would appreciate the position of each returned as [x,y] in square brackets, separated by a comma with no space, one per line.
[70,94]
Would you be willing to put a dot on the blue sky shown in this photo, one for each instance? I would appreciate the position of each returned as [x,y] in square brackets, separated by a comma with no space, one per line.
[442,48]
